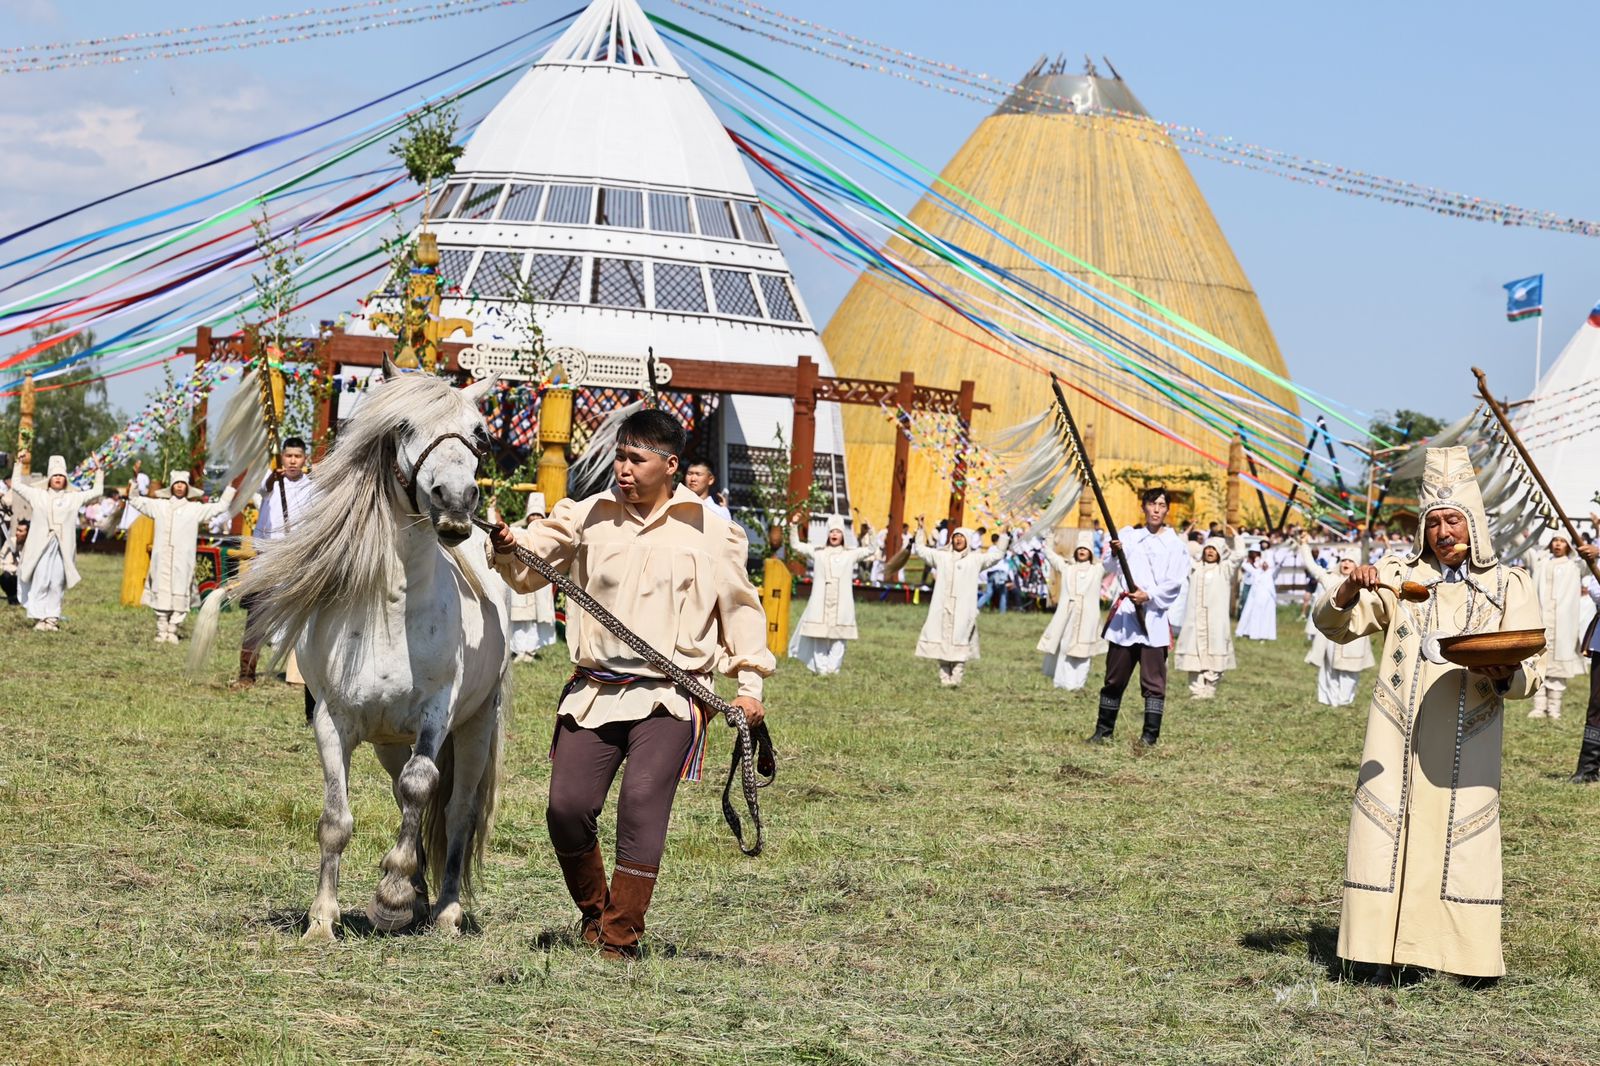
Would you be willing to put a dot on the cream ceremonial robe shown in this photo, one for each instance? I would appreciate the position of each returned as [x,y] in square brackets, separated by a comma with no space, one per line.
[951,632]
[171,579]
[1326,655]
[1559,583]
[1205,639]
[830,613]
[1258,620]
[533,616]
[1422,880]
[55,518]
[1073,636]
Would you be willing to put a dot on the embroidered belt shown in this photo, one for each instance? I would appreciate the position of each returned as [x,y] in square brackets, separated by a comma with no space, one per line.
[693,762]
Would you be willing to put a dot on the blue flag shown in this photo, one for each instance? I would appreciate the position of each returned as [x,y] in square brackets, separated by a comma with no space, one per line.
[1524,298]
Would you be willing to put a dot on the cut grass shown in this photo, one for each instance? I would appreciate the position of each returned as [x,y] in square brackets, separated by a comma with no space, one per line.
[951,878]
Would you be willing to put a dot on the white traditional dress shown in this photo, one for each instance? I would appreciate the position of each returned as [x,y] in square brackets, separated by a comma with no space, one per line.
[533,614]
[1422,884]
[48,564]
[170,583]
[1205,639]
[1259,618]
[1559,583]
[1338,666]
[830,615]
[950,634]
[1073,637]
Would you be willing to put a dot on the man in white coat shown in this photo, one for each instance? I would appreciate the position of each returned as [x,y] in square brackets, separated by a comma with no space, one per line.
[48,565]
[1159,562]
[171,580]
[285,496]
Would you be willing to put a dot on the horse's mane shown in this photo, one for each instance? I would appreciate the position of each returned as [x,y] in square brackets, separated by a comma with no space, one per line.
[343,549]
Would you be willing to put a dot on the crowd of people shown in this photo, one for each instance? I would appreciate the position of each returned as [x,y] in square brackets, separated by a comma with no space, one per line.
[663,553]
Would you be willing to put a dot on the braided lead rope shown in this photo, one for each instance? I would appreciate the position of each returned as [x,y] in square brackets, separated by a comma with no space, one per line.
[744,758]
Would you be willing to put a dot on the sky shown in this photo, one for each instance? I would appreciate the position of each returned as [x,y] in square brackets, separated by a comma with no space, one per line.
[1375,305]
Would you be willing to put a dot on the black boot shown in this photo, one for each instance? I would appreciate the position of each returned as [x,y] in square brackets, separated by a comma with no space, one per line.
[1588,758]
[1153,706]
[1107,722]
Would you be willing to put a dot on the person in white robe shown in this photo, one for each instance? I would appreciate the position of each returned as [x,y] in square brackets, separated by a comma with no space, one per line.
[1423,882]
[1205,641]
[1159,562]
[830,615]
[48,566]
[138,485]
[533,614]
[1072,639]
[950,634]
[1258,620]
[178,518]
[1338,666]
[1558,576]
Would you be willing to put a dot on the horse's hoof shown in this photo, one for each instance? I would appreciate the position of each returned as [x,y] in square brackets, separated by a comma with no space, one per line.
[318,931]
[448,921]
[389,920]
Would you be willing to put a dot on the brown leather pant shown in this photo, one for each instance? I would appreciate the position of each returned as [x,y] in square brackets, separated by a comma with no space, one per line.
[585,762]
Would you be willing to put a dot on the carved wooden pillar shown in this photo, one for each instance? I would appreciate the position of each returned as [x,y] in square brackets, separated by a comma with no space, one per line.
[958,474]
[905,396]
[803,439]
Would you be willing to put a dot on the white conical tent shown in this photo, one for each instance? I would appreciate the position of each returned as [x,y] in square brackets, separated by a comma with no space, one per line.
[1561,424]
[606,182]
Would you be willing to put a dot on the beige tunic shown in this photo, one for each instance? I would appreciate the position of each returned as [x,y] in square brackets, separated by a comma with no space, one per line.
[831,611]
[1074,630]
[674,576]
[54,517]
[951,632]
[1206,640]
[1352,657]
[1422,880]
[1559,583]
[178,522]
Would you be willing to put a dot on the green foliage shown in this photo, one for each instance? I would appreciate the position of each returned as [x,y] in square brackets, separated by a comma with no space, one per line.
[511,504]
[773,506]
[71,421]
[1400,427]
[275,325]
[428,149]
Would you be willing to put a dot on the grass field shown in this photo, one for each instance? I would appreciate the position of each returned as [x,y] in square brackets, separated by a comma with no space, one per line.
[950,879]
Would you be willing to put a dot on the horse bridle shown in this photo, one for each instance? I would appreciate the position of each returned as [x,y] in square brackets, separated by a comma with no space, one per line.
[410,483]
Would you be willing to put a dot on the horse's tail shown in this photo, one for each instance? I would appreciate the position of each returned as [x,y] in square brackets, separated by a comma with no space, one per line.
[204,636]
[435,825]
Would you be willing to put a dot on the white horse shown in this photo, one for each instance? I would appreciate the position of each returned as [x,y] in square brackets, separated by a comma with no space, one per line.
[401,640]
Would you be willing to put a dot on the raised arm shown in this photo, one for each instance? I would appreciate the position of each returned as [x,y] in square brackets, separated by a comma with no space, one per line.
[797,544]
[554,539]
[1355,608]
[1308,559]
[145,505]
[997,550]
[919,546]
[1053,559]
[220,505]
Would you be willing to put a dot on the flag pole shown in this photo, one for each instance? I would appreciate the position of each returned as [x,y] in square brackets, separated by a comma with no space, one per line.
[1538,351]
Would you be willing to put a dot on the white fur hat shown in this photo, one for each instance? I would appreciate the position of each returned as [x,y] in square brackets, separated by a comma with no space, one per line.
[836,521]
[56,465]
[177,476]
[536,504]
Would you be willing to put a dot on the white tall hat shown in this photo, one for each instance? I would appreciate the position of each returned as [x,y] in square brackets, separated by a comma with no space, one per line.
[536,504]
[56,465]
[1449,483]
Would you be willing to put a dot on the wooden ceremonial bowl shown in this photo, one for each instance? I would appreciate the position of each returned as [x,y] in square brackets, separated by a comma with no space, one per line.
[1508,648]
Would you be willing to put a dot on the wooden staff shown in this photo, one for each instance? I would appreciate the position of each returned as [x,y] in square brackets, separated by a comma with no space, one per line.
[1081,461]
[1499,411]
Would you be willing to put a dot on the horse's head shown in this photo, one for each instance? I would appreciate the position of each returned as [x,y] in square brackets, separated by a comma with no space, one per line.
[437,450]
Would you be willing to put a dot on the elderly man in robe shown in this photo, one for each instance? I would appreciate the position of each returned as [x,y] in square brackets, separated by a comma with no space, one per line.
[1422,883]
[171,580]
[48,566]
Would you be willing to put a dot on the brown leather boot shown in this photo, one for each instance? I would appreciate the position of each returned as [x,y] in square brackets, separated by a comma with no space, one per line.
[248,658]
[585,874]
[623,920]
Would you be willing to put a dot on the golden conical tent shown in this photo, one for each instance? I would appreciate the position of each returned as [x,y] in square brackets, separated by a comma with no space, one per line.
[1114,192]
